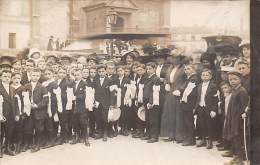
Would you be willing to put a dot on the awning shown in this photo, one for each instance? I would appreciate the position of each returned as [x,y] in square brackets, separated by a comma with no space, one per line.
[124,36]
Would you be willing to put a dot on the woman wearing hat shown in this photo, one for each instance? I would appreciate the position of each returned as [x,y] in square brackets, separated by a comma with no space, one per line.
[171,120]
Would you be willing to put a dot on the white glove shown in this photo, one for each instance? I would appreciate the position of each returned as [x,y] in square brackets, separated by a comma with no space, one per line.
[167,87]
[243,115]
[149,106]
[212,114]
[176,93]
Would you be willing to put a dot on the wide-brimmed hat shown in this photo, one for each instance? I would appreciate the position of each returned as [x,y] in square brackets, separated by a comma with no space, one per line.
[6,61]
[113,114]
[141,113]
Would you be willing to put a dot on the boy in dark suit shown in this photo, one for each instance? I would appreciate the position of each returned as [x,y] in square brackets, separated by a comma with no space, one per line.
[244,69]
[206,108]
[9,113]
[121,83]
[19,127]
[141,70]
[188,101]
[92,120]
[49,124]
[102,101]
[39,102]
[238,103]
[111,74]
[151,102]
[65,112]
[80,116]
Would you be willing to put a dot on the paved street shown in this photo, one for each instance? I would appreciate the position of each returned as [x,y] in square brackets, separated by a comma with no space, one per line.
[117,151]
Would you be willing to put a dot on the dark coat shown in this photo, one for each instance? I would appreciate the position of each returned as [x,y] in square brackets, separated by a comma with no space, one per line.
[237,105]
[25,79]
[40,98]
[191,99]
[19,91]
[53,100]
[113,80]
[178,79]
[123,87]
[64,84]
[9,108]
[102,93]
[148,88]
[80,94]
[211,98]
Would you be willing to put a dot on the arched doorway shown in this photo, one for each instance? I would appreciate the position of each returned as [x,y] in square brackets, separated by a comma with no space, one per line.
[119,26]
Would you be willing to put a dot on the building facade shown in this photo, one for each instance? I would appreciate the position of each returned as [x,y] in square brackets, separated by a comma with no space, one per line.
[30,23]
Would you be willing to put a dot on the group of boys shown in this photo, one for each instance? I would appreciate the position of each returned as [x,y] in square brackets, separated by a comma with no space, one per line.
[41,108]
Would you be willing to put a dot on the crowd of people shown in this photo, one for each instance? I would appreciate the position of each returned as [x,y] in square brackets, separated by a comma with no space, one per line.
[45,103]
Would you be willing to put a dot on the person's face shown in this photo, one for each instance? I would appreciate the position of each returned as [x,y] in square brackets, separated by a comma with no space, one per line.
[160,61]
[206,63]
[127,72]
[36,55]
[243,69]
[48,74]
[140,71]
[16,79]
[226,89]
[29,66]
[41,65]
[62,74]
[74,66]
[6,77]
[129,59]
[246,52]
[224,76]
[55,68]
[92,73]
[80,66]
[134,68]
[17,66]
[150,70]
[91,62]
[110,69]
[206,76]
[227,59]
[35,76]
[85,73]
[120,72]
[102,72]
[188,70]
[77,75]
[234,80]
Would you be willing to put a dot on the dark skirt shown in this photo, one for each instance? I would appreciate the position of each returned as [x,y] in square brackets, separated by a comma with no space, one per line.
[168,119]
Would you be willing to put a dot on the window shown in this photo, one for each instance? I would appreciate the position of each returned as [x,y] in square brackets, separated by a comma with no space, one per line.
[12,40]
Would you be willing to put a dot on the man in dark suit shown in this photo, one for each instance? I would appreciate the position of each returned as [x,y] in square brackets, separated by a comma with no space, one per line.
[102,100]
[151,102]
[206,108]
[39,102]
[80,116]
[8,113]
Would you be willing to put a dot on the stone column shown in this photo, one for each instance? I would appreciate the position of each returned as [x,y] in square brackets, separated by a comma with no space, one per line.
[35,23]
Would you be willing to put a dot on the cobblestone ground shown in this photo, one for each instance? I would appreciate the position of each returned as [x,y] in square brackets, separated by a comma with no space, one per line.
[118,151]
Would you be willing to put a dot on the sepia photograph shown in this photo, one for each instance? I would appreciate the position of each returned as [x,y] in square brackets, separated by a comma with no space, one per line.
[133,82]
